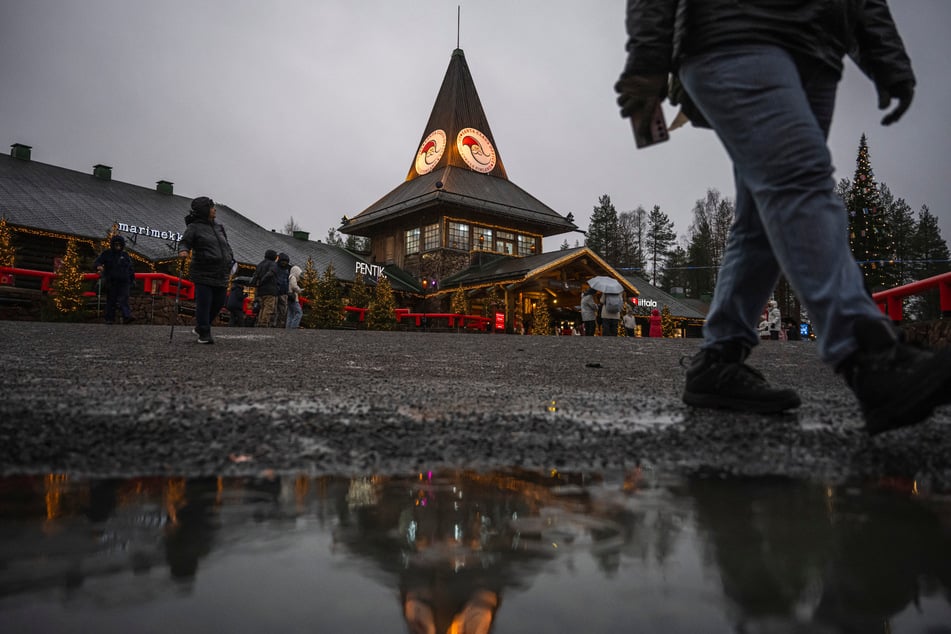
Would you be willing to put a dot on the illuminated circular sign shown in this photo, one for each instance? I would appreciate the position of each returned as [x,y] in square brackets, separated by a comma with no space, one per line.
[476,150]
[430,151]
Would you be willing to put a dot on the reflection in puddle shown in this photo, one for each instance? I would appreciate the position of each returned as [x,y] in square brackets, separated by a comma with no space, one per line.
[466,552]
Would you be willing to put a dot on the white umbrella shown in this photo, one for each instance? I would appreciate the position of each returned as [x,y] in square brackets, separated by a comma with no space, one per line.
[605,284]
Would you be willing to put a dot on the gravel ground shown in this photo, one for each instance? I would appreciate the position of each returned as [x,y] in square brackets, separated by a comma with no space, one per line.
[125,401]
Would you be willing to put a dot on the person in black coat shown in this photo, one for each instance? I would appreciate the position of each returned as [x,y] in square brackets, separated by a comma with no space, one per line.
[117,274]
[235,304]
[265,282]
[212,263]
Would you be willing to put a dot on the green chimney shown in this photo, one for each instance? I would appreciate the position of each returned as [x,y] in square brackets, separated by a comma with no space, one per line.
[20,151]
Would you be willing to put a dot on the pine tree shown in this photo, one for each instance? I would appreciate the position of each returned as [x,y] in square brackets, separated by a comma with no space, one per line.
[382,315]
[309,283]
[68,284]
[667,321]
[542,319]
[660,235]
[7,250]
[869,234]
[327,307]
[901,221]
[106,243]
[459,303]
[631,227]
[360,294]
[930,257]
[602,232]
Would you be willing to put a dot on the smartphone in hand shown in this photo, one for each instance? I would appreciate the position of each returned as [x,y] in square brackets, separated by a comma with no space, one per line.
[650,130]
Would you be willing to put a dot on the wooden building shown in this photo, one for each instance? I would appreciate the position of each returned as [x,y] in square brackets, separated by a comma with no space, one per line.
[457,221]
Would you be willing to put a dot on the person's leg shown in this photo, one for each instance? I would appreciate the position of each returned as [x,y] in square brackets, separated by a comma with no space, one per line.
[110,315]
[203,312]
[773,124]
[219,295]
[122,301]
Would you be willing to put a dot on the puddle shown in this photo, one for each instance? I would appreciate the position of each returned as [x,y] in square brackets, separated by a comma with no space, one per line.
[465,552]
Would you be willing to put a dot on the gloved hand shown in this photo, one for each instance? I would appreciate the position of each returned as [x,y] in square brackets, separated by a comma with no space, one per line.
[640,93]
[903,92]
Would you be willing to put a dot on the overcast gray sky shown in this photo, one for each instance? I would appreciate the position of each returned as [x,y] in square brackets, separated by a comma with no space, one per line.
[314,108]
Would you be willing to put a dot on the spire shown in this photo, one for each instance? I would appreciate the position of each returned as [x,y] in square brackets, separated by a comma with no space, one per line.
[457,133]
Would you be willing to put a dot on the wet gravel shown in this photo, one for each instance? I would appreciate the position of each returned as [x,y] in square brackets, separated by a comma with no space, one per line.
[125,401]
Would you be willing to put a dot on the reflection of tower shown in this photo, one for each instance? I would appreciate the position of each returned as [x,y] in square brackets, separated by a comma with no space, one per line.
[454,542]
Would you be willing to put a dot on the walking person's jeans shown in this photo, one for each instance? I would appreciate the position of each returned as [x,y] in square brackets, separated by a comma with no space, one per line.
[208,303]
[773,117]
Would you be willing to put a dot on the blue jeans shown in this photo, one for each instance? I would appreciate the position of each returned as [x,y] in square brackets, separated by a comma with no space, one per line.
[772,116]
[294,313]
[208,303]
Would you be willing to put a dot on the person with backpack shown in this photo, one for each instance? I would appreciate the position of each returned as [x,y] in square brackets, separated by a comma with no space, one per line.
[212,263]
[264,282]
[117,274]
[283,284]
[611,306]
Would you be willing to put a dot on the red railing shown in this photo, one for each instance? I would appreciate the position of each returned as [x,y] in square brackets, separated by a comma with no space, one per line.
[153,283]
[890,301]
[165,284]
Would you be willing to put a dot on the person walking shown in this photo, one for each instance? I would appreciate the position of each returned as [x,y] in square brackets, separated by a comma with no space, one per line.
[774,319]
[264,281]
[764,76]
[611,306]
[117,273]
[294,310]
[212,263]
[589,312]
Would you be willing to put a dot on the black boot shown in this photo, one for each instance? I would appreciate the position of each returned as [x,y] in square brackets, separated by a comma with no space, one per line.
[717,377]
[896,384]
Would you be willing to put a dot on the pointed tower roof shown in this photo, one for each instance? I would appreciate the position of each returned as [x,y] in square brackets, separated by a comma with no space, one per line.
[457,132]
[457,163]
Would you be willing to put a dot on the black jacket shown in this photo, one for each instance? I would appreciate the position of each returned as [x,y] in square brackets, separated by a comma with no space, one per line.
[264,279]
[211,254]
[117,266]
[664,32]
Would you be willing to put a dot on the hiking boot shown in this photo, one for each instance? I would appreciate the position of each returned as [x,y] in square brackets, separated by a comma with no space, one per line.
[896,384]
[717,377]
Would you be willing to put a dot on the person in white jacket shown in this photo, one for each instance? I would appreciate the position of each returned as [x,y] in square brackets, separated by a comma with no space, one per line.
[294,310]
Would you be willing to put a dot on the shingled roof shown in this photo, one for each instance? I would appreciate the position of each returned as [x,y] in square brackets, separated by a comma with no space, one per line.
[441,175]
[66,202]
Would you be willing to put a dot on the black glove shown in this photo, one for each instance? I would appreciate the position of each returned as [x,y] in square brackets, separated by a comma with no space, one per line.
[903,92]
[640,93]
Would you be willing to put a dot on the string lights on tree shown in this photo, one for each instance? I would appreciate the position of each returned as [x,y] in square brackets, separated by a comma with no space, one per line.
[869,233]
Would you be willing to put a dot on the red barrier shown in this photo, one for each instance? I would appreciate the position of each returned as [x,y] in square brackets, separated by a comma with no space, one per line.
[153,283]
[890,301]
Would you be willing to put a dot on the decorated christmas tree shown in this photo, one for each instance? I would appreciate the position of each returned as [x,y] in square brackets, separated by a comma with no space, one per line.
[327,306]
[7,251]
[360,294]
[459,303]
[68,285]
[309,283]
[381,315]
[106,243]
[542,319]
[869,234]
[667,321]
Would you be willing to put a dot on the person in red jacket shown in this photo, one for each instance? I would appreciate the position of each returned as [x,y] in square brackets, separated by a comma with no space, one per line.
[657,326]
